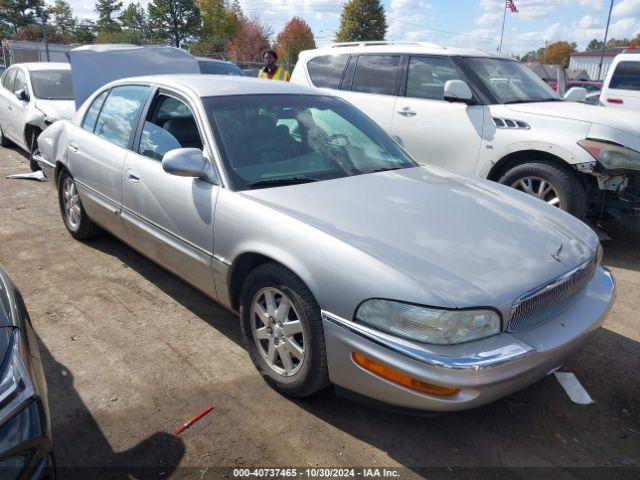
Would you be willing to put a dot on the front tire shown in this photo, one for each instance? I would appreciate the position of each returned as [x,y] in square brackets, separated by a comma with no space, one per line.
[4,141]
[282,330]
[33,148]
[78,223]
[554,184]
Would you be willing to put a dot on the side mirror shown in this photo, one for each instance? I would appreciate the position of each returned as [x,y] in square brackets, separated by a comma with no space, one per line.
[575,94]
[22,95]
[184,162]
[457,91]
[398,140]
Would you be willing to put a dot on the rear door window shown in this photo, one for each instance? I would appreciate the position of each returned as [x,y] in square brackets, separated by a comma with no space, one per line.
[90,117]
[377,74]
[326,71]
[427,76]
[120,113]
[626,76]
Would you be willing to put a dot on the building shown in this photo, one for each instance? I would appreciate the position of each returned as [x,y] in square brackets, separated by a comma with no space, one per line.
[590,61]
[549,73]
[21,52]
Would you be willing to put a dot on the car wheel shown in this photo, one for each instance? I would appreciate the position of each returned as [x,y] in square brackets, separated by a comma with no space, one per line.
[282,329]
[550,183]
[75,218]
[4,141]
[33,148]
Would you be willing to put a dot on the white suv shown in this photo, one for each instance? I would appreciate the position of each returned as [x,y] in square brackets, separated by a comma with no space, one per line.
[487,115]
[621,88]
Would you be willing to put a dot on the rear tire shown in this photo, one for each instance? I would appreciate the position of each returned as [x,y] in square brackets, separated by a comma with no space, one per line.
[78,223]
[272,333]
[554,184]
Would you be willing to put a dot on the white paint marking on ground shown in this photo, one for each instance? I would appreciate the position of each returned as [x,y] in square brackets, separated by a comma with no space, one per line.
[574,388]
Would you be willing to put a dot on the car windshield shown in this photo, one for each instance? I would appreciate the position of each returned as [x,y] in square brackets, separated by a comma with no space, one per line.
[52,84]
[509,81]
[272,140]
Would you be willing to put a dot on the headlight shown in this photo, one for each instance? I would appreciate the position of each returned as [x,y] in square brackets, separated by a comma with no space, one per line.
[429,325]
[16,387]
[611,156]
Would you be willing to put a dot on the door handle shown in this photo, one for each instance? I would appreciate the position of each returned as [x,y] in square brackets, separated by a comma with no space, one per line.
[407,112]
[73,147]
[133,176]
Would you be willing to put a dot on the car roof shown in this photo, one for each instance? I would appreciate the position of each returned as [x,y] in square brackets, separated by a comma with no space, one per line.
[214,60]
[397,47]
[218,85]
[31,66]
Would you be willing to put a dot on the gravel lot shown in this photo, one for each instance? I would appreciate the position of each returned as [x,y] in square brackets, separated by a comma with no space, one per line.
[131,352]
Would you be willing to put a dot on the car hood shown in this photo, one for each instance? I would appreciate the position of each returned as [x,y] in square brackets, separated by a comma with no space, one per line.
[57,109]
[627,121]
[465,240]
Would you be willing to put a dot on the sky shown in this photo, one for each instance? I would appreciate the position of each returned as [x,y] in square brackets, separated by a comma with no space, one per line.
[469,23]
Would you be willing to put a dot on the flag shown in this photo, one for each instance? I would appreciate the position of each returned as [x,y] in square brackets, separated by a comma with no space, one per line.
[512,6]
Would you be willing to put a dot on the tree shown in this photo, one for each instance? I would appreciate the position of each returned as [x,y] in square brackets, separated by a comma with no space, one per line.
[174,21]
[84,32]
[33,33]
[613,43]
[362,20]
[134,23]
[19,13]
[594,45]
[251,40]
[107,16]
[635,42]
[294,37]
[529,57]
[63,19]
[558,53]
[221,21]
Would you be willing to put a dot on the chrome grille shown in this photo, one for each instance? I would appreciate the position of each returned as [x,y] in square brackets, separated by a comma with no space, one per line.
[538,304]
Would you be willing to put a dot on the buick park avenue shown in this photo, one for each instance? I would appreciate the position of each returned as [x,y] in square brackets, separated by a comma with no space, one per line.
[347,262]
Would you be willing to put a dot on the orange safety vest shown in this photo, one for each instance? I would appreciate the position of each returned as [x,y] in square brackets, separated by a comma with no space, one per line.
[279,74]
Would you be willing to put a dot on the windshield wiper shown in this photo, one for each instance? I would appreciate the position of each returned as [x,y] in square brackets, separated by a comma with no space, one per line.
[276,182]
[385,169]
[533,101]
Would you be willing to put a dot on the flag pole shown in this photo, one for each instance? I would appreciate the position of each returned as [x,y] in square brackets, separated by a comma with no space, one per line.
[504,17]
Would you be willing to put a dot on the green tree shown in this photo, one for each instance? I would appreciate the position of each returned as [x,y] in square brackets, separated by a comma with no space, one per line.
[614,42]
[594,45]
[19,13]
[635,42]
[362,20]
[221,22]
[63,19]
[84,32]
[174,21]
[108,11]
[134,23]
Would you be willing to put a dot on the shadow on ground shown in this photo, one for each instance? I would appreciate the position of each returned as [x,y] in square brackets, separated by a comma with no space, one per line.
[538,426]
[80,448]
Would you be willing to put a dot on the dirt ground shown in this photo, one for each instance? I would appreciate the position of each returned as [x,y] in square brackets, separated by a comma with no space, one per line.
[131,352]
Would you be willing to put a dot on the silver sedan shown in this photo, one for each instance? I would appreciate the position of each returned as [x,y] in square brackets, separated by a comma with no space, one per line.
[347,263]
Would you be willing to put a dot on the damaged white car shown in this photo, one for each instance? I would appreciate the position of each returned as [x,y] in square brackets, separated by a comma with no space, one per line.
[32,97]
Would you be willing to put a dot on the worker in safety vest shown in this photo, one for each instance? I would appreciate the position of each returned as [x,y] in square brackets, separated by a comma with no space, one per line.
[271,71]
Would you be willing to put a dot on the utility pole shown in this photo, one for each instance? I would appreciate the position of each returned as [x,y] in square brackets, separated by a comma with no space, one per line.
[604,44]
[43,20]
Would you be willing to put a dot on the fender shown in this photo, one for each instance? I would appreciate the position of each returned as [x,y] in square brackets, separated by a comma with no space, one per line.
[570,157]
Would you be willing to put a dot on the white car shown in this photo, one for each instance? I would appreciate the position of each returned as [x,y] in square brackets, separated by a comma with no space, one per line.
[621,87]
[32,97]
[481,114]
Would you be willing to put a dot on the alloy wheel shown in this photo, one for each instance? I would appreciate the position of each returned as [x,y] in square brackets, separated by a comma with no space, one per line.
[539,188]
[277,331]
[71,203]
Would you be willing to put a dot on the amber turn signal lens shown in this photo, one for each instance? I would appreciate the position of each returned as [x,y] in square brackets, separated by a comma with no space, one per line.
[401,378]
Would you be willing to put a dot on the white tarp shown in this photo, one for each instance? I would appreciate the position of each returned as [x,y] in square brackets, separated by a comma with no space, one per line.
[95,65]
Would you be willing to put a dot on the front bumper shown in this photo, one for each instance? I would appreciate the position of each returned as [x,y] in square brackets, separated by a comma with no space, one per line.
[483,370]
